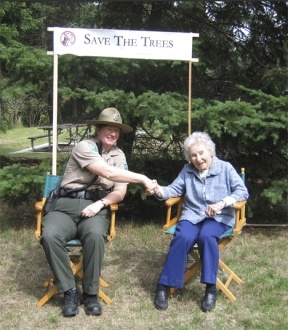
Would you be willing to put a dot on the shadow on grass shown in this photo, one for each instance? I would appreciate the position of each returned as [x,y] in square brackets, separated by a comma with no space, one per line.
[140,269]
[132,265]
[135,259]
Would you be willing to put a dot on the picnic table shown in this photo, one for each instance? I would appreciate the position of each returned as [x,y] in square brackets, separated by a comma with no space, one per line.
[74,134]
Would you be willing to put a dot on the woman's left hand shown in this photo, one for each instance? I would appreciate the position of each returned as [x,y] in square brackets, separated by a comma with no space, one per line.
[214,209]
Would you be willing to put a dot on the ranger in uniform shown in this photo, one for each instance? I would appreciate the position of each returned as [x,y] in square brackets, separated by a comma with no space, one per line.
[96,176]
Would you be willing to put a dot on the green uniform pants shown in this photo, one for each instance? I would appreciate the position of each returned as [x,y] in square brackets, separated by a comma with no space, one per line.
[65,223]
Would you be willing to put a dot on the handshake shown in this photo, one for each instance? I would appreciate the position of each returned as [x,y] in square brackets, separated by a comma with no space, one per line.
[154,188]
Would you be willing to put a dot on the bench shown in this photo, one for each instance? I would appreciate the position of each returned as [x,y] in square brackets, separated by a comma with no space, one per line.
[77,138]
[73,139]
[34,138]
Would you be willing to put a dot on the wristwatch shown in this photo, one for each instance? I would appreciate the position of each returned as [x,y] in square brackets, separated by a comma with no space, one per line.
[104,203]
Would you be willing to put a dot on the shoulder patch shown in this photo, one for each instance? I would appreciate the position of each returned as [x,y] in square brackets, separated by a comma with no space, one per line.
[126,166]
[93,148]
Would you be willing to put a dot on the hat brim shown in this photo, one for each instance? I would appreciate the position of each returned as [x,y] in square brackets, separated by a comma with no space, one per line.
[124,128]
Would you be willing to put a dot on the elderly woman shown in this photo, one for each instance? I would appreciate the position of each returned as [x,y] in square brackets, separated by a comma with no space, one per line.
[210,187]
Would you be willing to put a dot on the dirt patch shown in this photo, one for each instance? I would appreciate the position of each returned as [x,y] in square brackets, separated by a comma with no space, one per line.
[22,215]
[7,161]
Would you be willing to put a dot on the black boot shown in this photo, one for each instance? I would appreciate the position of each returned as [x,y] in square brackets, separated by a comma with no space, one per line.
[91,304]
[161,297]
[209,301]
[71,303]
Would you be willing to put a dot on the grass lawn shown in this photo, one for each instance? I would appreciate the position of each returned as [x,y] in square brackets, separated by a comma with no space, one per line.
[17,139]
[132,265]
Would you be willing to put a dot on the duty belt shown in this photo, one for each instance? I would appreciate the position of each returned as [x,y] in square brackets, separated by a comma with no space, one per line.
[94,195]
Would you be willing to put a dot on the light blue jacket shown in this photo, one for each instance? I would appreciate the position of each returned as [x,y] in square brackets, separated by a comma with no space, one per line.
[222,180]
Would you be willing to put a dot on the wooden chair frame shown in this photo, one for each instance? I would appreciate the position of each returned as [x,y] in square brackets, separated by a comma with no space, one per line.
[174,204]
[75,260]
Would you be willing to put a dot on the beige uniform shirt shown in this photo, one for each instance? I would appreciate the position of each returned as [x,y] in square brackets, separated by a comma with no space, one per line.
[85,153]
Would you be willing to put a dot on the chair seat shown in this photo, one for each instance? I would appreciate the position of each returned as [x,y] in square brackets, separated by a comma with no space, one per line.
[74,242]
[227,233]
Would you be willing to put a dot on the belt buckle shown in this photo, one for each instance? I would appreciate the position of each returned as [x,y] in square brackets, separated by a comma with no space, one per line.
[91,195]
[81,194]
[73,194]
[86,192]
[95,196]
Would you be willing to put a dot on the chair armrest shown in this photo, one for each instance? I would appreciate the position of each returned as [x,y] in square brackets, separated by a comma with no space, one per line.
[239,205]
[170,219]
[114,207]
[172,201]
[240,219]
[112,229]
[39,215]
[177,202]
[39,205]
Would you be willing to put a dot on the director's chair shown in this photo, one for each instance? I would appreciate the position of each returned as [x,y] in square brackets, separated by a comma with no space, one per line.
[174,206]
[73,246]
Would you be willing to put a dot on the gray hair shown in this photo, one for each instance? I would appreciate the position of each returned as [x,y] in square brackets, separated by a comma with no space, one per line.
[198,138]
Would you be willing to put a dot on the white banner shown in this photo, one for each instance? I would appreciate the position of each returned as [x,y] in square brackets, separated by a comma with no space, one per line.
[123,43]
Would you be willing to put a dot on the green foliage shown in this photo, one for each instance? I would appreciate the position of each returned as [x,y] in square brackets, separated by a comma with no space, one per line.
[24,94]
[240,43]
[247,134]
[238,85]
[252,135]
[20,184]
[135,190]
[277,193]
[23,184]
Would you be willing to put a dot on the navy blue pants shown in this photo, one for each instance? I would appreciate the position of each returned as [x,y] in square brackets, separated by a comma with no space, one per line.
[206,234]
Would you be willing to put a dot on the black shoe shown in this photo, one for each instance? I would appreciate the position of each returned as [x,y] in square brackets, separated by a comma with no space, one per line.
[161,297]
[209,301]
[91,304]
[71,303]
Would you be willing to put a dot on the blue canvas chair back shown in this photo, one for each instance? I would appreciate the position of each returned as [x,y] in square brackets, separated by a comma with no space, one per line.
[51,182]
[242,174]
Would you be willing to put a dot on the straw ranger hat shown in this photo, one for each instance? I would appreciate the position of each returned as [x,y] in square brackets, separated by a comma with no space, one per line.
[110,116]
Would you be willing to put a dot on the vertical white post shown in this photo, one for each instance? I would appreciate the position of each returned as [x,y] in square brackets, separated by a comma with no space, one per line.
[55,112]
[195,35]
[189,98]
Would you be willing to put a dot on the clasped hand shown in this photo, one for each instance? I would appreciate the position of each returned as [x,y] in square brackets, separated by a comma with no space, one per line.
[154,188]
[214,209]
